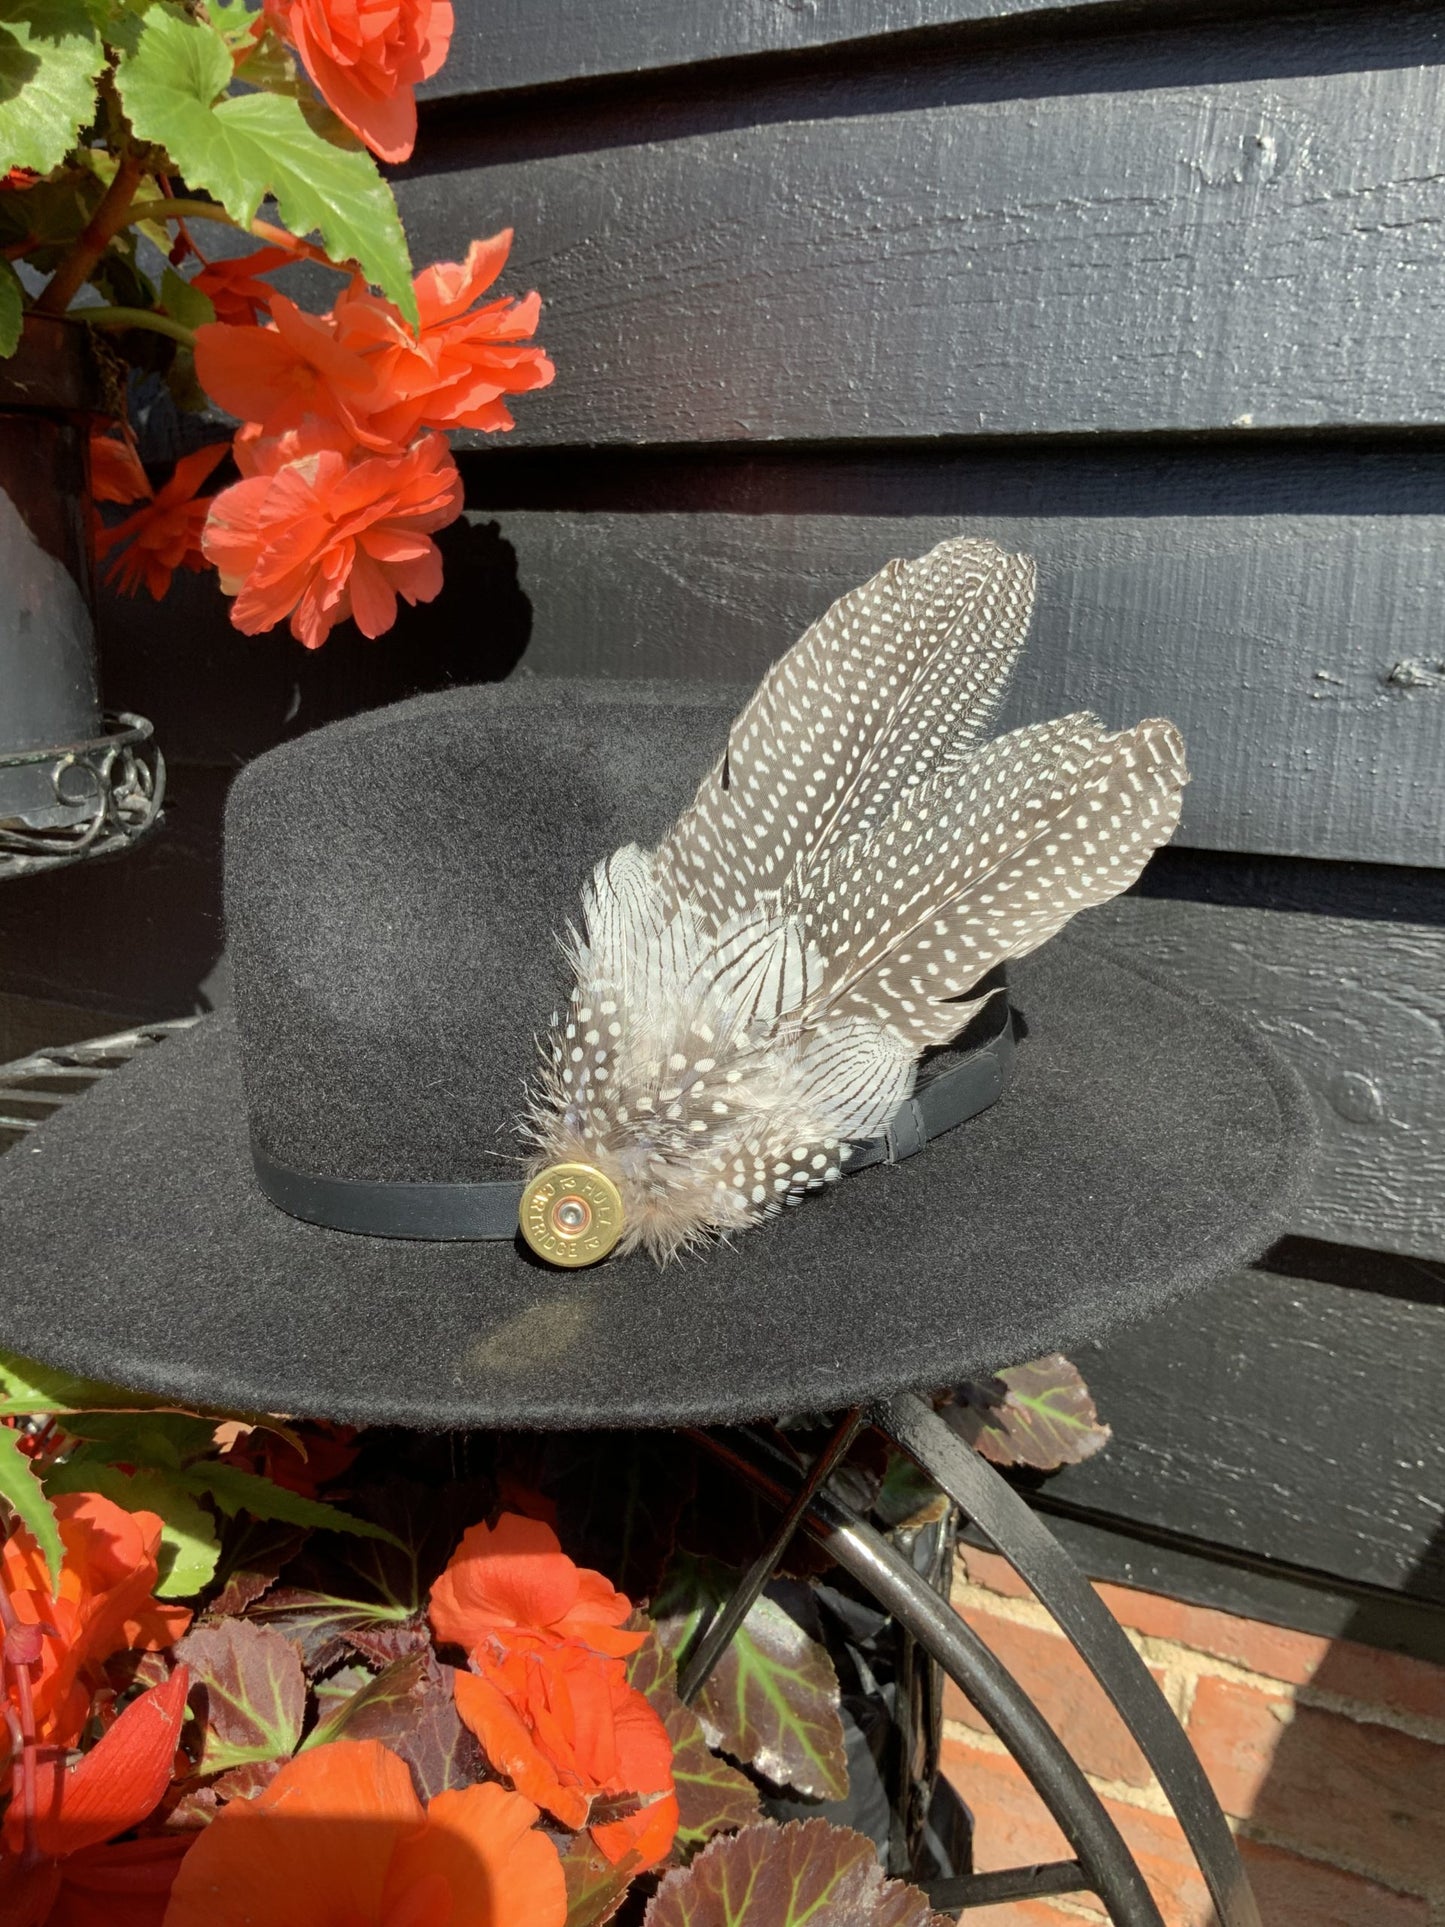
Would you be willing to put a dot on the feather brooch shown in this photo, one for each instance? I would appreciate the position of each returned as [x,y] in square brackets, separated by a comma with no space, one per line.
[752,998]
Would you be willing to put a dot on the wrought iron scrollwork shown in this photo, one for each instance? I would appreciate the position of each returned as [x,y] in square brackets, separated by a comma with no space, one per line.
[113,785]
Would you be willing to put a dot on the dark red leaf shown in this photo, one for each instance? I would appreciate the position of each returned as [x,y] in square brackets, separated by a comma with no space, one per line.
[245,1782]
[772,1700]
[1039,1415]
[255,1552]
[770,1876]
[249,1693]
[347,1595]
[410,1707]
[712,1797]
[595,1887]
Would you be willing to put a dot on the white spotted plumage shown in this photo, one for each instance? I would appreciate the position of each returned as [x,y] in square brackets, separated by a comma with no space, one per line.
[752,997]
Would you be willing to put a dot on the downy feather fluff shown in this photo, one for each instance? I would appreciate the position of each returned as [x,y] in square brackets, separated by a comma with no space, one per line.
[752,997]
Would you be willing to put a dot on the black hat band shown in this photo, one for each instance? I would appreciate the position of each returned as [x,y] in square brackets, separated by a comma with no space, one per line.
[488,1209]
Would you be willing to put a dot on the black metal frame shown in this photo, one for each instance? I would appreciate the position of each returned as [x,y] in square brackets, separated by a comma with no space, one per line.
[1103,1864]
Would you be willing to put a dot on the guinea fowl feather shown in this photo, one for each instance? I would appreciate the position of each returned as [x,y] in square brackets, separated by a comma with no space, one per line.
[751,998]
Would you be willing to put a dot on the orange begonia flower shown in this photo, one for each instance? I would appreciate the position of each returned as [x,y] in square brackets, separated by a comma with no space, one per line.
[340,1839]
[323,538]
[234,287]
[165,535]
[278,375]
[102,1604]
[566,1728]
[515,1578]
[81,1881]
[453,373]
[363,369]
[366,58]
[115,471]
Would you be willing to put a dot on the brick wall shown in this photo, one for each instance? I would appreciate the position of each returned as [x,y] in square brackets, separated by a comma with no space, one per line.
[1328,1757]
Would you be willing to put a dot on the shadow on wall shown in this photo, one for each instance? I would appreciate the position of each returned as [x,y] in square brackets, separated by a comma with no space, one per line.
[140,936]
[216,696]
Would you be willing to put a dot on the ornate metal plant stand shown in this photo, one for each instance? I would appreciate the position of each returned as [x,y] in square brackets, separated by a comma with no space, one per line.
[107,793]
[810,1501]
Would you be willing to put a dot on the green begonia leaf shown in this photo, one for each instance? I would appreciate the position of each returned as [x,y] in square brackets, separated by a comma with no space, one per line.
[111,1414]
[158,1439]
[28,1389]
[245,148]
[12,309]
[21,1490]
[189,1545]
[50,56]
[235,1490]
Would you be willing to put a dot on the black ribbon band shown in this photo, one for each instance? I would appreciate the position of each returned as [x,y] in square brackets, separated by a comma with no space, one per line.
[488,1208]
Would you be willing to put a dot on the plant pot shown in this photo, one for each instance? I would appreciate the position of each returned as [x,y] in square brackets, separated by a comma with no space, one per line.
[73,782]
[49,683]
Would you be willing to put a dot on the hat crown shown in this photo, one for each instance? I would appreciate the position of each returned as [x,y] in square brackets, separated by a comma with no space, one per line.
[395,888]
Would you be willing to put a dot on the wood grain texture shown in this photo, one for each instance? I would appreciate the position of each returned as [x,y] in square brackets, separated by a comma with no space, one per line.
[517,44]
[1272,639]
[1359,1010]
[1247,253]
[533,43]
[1293,1418]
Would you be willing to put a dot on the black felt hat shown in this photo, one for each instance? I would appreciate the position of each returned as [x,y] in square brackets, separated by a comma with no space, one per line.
[395,887]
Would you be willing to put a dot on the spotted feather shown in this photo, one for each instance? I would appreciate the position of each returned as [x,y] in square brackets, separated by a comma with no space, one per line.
[751,998]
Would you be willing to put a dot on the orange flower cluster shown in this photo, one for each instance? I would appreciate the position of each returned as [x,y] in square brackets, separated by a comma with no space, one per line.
[102,1604]
[340,1839]
[547,1693]
[346,475]
[367,57]
[163,536]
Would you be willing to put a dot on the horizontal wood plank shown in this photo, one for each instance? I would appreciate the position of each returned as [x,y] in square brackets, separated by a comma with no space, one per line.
[1358,1007]
[1288,1417]
[535,43]
[517,44]
[1245,254]
[1274,640]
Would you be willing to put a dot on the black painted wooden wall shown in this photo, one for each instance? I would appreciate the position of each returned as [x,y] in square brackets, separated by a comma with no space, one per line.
[1156,291]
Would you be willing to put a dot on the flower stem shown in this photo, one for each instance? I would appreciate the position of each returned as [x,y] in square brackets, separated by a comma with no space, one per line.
[167,208]
[26,1759]
[160,324]
[95,237]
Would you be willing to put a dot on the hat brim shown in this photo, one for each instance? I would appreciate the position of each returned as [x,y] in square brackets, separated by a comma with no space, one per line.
[1147,1142]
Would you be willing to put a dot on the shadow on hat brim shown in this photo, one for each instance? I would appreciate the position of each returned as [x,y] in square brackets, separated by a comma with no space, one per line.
[1147,1142]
